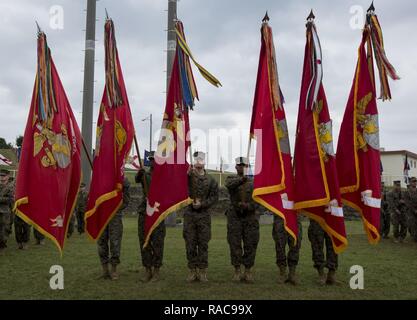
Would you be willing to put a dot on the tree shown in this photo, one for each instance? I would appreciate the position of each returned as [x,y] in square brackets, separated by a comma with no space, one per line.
[19,141]
[4,144]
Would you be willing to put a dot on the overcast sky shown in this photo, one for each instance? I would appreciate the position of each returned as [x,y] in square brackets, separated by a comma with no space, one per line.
[224,36]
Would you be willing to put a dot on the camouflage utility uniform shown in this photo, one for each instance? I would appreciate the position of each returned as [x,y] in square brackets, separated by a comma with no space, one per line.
[6,201]
[282,238]
[385,216]
[410,199]
[152,255]
[197,222]
[80,209]
[319,238]
[21,230]
[397,208]
[113,233]
[242,223]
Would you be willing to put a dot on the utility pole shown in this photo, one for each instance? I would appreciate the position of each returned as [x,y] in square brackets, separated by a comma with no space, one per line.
[171,37]
[171,220]
[150,132]
[88,89]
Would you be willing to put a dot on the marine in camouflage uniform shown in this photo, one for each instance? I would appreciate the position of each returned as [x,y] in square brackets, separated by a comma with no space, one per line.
[6,198]
[385,214]
[21,228]
[320,239]
[112,235]
[410,199]
[152,254]
[9,218]
[81,207]
[397,208]
[204,191]
[282,238]
[242,222]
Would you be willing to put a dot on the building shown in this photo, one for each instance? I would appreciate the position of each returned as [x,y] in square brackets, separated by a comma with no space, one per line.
[393,166]
[10,155]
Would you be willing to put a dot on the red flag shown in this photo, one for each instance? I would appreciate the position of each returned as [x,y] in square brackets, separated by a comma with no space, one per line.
[49,169]
[168,191]
[358,158]
[273,180]
[317,191]
[115,133]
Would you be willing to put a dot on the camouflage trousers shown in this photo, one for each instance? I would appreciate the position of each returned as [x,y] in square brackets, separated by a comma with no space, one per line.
[153,254]
[282,238]
[385,224]
[110,241]
[38,236]
[319,238]
[21,230]
[399,225]
[9,225]
[412,225]
[71,226]
[80,221]
[242,231]
[197,234]
[3,232]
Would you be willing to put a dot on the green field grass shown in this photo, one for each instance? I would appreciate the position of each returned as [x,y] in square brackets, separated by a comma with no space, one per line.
[390,270]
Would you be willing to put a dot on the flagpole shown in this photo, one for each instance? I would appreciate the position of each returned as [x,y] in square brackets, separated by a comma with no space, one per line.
[145,183]
[87,153]
[88,89]
[249,146]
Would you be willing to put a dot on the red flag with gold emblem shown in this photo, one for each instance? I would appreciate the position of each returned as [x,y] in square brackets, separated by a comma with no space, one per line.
[114,138]
[168,191]
[358,157]
[317,191]
[273,180]
[49,169]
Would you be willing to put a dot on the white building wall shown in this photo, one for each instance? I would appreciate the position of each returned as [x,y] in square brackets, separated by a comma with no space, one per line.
[393,165]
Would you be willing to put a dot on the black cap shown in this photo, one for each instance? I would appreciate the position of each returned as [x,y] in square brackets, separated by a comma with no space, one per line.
[151,155]
[413,179]
[397,182]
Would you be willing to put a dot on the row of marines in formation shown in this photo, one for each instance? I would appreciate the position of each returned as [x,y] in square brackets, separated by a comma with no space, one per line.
[242,227]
